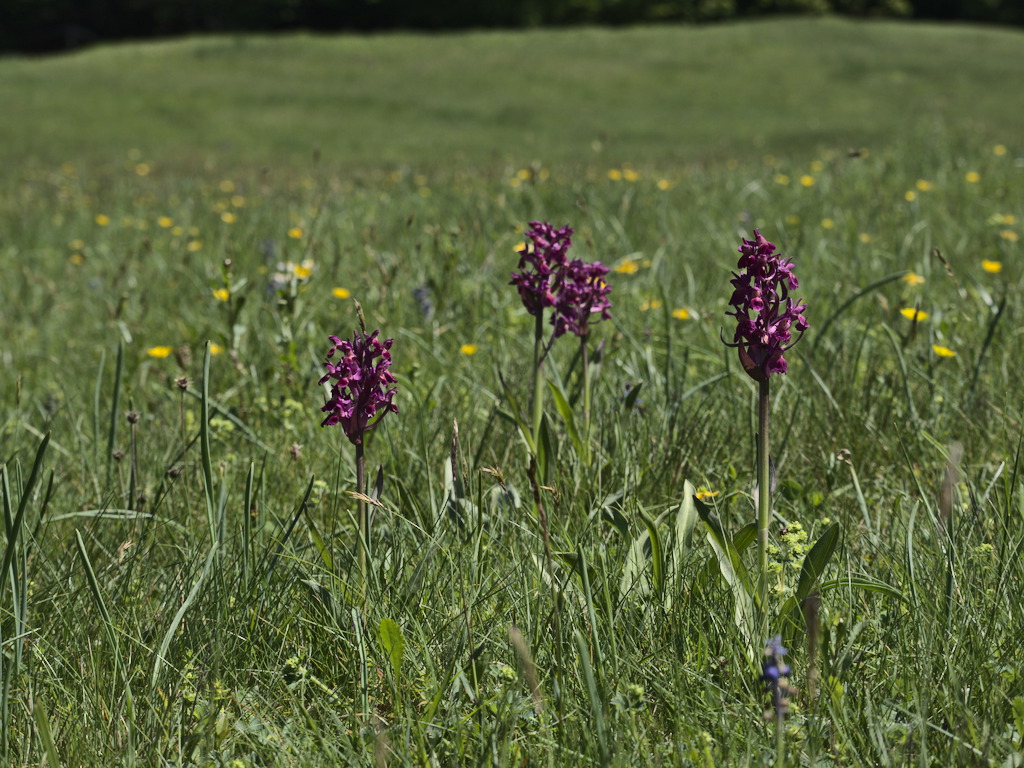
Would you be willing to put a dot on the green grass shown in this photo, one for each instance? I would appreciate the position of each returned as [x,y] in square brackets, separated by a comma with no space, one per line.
[187,591]
[481,99]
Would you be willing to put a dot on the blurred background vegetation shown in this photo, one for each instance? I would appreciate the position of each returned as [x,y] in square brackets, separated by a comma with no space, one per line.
[52,25]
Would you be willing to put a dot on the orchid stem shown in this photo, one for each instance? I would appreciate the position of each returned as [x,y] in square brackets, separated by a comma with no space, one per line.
[538,378]
[364,528]
[586,400]
[764,496]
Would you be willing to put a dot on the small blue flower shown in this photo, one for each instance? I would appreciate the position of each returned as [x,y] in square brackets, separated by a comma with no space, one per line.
[775,676]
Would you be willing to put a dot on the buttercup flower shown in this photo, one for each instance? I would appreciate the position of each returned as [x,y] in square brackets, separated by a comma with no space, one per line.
[765,315]
[360,396]
[917,315]
[912,278]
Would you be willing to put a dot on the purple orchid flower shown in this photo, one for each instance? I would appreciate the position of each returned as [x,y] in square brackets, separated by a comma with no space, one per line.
[360,396]
[766,317]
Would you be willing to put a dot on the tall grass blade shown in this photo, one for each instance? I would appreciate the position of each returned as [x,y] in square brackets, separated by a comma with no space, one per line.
[206,456]
[565,411]
[115,407]
[14,528]
[657,554]
[989,334]
[42,721]
[596,706]
[161,653]
[816,561]
[115,643]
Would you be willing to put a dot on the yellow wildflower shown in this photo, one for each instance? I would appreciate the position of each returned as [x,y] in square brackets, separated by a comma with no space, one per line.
[165,222]
[910,195]
[228,217]
[221,294]
[102,219]
[807,180]
[215,349]
[681,313]
[615,174]
[991,266]
[943,351]
[468,349]
[924,185]
[999,150]
[627,266]
[917,315]
[159,352]
[1009,235]
[664,185]
[704,494]
[781,178]
[340,293]
[650,304]
[827,223]
[912,278]
[972,177]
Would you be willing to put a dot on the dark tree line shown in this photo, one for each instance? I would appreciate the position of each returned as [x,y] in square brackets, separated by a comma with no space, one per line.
[52,25]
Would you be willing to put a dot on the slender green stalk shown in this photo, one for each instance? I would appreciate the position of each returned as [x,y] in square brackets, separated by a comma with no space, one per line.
[586,398]
[538,376]
[780,738]
[364,522]
[112,432]
[764,498]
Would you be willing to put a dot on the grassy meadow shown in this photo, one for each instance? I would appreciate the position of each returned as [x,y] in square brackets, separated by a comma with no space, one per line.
[183,224]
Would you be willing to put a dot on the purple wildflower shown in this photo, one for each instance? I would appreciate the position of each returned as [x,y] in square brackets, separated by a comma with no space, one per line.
[547,255]
[775,676]
[359,394]
[765,315]
[580,291]
[576,290]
